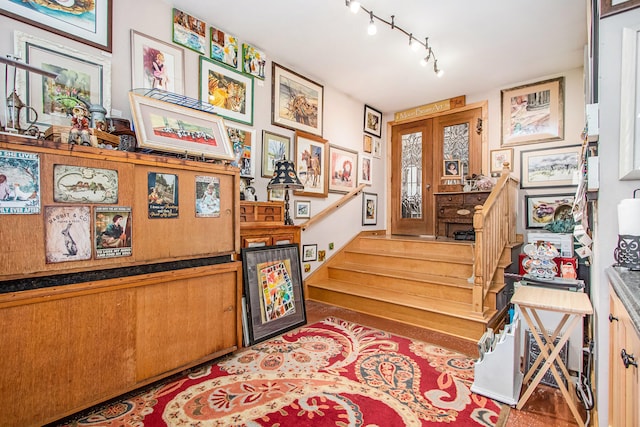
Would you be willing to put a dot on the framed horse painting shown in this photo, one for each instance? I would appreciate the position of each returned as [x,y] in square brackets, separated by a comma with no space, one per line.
[311,165]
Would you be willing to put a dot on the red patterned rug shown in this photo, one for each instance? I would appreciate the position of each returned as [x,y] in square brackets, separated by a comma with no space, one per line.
[331,373]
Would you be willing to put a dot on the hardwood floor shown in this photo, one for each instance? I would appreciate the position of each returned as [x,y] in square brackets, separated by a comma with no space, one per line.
[545,407]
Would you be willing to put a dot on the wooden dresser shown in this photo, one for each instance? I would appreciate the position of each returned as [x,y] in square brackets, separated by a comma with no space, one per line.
[262,224]
[454,211]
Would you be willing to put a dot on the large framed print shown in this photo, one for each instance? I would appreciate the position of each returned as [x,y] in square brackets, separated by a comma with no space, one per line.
[274,147]
[543,209]
[80,75]
[228,90]
[243,140]
[156,64]
[372,121]
[611,7]
[171,128]
[297,102]
[87,22]
[311,165]
[533,113]
[551,167]
[343,169]
[273,290]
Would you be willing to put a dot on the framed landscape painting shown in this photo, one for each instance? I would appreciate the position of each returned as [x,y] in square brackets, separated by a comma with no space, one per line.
[229,91]
[552,167]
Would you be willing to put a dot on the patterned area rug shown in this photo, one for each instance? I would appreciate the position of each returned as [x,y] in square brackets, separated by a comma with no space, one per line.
[331,373]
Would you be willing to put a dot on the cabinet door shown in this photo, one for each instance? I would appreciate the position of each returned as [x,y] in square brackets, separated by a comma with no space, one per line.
[283,239]
[256,241]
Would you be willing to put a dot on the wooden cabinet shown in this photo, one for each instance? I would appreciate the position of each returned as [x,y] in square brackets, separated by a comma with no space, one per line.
[262,224]
[624,380]
[261,212]
[454,211]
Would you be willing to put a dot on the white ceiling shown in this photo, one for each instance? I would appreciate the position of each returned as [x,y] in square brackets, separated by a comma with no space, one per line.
[481,45]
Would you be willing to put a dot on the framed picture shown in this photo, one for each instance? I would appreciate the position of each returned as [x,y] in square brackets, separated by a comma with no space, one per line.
[156,64]
[167,127]
[224,47]
[309,253]
[545,209]
[533,112]
[629,163]
[273,289]
[611,7]
[372,121]
[229,91]
[275,194]
[253,61]
[551,167]
[80,75]
[451,168]
[311,165]
[365,172]
[296,102]
[274,147]
[189,32]
[87,22]
[499,157]
[377,148]
[367,143]
[343,165]
[302,208]
[243,140]
[369,208]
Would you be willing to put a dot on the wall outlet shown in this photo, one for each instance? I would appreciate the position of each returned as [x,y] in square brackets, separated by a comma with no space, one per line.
[331,246]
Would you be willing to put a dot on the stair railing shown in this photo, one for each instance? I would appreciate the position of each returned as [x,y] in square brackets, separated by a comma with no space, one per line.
[495,227]
[329,209]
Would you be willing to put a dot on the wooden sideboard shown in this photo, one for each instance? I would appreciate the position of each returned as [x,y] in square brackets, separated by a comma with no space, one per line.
[454,211]
[262,224]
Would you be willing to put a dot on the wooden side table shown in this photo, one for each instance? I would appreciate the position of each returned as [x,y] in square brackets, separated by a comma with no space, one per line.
[574,306]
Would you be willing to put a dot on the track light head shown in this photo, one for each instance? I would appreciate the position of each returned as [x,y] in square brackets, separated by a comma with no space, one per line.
[372,29]
[437,70]
[353,5]
[413,43]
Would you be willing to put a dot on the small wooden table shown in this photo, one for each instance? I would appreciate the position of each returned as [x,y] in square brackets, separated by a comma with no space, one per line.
[574,306]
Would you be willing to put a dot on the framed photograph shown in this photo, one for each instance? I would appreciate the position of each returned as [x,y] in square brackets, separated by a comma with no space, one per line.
[302,208]
[367,143]
[499,157]
[309,253]
[533,112]
[611,7]
[112,231]
[275,195]
[551,167]
[451,168]
[254,61]
[88,22]
[365,173]
[67,233]
[228,90]
[377,148]
[167,127]
[372,121]
[543,209]
[369,208]
[343,164]
[243,140]
[296,102]
[224,47]
[80,75]
[189,32]
[274,147]
[273,289]
[156,64]
[311,165]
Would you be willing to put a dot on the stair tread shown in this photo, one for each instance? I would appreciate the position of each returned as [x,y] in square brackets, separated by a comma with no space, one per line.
[460,259]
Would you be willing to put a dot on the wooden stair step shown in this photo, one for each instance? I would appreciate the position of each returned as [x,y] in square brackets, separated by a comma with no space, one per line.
[411,245]
[459,258]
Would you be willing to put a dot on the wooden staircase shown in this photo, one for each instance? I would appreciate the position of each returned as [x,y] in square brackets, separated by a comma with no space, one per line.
[419,281]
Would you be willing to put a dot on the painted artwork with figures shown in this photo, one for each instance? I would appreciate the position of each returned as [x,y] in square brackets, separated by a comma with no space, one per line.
[19,183]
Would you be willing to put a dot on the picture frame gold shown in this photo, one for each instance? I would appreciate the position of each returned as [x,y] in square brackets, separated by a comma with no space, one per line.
[499,157]
[311,161]
[343,169]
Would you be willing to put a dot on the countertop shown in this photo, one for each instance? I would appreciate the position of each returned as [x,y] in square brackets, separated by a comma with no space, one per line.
[626,285]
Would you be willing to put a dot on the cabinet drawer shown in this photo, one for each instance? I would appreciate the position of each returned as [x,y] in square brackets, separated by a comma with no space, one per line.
[256,241]
[270,213]
[283,239]
[475,198]
[449,199]
[457,212]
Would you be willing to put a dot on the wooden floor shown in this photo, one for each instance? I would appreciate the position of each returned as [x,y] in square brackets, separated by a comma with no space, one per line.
[545,407]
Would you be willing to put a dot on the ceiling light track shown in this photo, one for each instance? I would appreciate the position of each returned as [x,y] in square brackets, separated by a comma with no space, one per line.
[414,43]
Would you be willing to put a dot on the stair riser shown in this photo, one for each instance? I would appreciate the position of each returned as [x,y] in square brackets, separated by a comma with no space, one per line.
[425,266]
[424,248]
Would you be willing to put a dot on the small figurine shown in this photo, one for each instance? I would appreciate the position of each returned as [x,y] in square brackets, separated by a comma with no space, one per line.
[79,133]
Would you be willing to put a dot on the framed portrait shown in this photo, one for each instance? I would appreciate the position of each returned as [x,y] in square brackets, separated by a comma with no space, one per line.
[369,208]
[296,102]
[343,165]
[274,147]
[243,141]
[302,208]
[533,113]
[499,157]
[551,167]
[365,169]
[311,165]
[156,64]
[611,7]
[309,253]
[367,143]
[171,128]
[543,209]
[254,61]
[230,92]
[224,47]
[372,121]
[88,22]
[273,290]
[80,75]
[451,168]
[189,31]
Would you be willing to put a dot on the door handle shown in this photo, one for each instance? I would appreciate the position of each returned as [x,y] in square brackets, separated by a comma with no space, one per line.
[428,186]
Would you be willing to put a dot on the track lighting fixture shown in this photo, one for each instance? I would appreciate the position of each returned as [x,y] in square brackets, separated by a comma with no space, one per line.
[414,43]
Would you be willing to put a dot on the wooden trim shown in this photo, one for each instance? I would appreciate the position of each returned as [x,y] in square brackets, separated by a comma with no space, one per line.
[329,210]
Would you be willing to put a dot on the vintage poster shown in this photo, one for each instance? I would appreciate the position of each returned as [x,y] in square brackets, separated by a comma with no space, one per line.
[163,195]
[276,287]
[67,233]
[113,231]
[207,196]
[76,184]
[19,183]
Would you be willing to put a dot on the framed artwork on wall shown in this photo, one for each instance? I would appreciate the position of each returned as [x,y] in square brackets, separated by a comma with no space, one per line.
[189,32]
[551,167]
[88,22]
[254,61]
[543,209]
[499,157]
[611,7]
[296,102]
[343,165]
[243,141]
[224,47]
[365,169]
[451,168]
[309,253]
[311,165]
[230,91]
[372,121]
[367,144]
[533,112]
[156,64]
[302,208]
[369,208]
[274,147]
